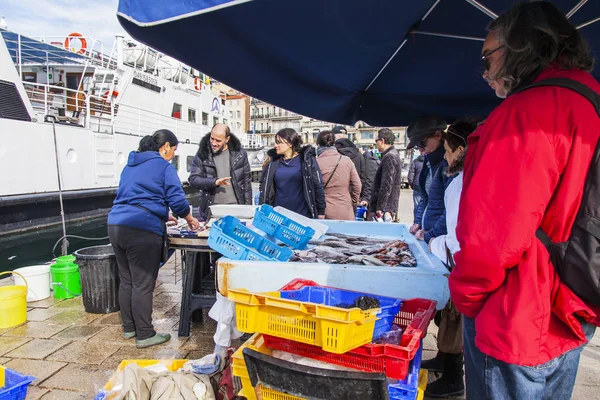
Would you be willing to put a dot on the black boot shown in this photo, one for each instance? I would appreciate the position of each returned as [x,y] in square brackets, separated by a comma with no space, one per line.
[451,383]
[436,364]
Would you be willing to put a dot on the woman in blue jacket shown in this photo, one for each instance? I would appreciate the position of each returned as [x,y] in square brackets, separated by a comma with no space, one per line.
[149,186]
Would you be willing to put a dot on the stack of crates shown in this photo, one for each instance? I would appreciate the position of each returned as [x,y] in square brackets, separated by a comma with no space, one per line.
[302,319]
[13,385]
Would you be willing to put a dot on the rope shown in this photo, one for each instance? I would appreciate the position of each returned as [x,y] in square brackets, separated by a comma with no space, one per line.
[65,244]
[76,237]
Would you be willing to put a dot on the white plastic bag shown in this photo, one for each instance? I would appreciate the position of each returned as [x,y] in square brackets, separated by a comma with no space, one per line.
[223,311]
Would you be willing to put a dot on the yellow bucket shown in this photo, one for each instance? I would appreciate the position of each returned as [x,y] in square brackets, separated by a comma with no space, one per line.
[13,303]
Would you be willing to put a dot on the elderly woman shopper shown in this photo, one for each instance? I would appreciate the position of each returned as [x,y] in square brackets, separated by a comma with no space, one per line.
[449,357]
[149,186]
[341,181]
[292,179]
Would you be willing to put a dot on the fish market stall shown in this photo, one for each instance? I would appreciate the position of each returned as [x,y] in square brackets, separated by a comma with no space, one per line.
[427,279]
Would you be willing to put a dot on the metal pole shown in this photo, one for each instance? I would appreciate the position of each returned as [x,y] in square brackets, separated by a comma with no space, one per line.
[19,57]
[65,243]
[576,8]
[483,9]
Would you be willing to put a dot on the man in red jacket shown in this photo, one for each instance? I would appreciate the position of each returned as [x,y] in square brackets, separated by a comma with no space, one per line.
[524,329]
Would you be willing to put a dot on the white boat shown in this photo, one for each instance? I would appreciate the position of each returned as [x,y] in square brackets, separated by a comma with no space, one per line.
[71,113]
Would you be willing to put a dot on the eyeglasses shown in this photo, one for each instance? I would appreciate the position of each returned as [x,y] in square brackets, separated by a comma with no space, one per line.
[450,131]
[485,62]
[377,140]
[423,143]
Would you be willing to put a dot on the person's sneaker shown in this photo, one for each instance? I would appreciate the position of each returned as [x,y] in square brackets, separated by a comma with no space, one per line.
[128,335]
[159,338]
[445,387]
[436,364]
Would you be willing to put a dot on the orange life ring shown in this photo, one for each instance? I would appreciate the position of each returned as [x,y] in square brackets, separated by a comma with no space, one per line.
[80,37]
[197,83]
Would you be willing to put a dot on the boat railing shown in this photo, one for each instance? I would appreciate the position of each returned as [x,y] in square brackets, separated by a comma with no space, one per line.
[74,107]
[136,121]
[91,49]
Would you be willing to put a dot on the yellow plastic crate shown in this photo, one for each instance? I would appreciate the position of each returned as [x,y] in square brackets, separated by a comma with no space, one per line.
[336,330]
[173,365]
[2,376]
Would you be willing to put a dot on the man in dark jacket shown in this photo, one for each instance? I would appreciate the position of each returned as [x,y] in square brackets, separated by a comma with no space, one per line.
[346,148]
[221,170]
[430,217]
[414,173]
[386,186]
[371,164]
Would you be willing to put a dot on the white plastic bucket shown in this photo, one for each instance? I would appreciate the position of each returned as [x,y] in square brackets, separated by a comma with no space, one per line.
[38,281]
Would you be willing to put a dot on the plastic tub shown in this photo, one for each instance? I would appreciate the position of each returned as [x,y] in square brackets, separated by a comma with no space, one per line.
[15,385]
[231,238]
[38,281]
[13,304]
[66,281]
[99,279]
[281,227]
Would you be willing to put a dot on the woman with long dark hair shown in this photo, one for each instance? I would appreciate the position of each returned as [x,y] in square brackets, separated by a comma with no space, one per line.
[149,186]
[292,179]
[341,181]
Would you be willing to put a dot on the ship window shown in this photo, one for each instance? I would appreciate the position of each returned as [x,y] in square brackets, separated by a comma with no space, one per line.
[190,160]
[191,115]
[176,113]
[223,101]
[215,120]
[204,118]
[175,162]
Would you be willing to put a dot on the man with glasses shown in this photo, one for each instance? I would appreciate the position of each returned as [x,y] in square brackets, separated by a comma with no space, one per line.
[525,172]
[430,215]
[221,170]
[385,194]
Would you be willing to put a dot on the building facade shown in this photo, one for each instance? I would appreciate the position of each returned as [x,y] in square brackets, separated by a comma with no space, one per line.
[238,106]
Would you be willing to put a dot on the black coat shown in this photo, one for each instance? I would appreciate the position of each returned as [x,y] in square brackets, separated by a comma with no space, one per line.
[311,176]
[203,173]
[347,148]
[372,163]
[386,187]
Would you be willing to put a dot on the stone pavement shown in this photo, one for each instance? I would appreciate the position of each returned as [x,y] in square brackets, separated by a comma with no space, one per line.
[72,353]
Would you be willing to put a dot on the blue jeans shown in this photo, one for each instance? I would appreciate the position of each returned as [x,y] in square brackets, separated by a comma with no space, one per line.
[489,378]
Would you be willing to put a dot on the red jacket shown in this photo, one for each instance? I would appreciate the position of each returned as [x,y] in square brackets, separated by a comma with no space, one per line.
[503,277]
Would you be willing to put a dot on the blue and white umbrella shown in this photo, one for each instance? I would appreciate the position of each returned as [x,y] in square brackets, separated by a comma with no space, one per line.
[385,62]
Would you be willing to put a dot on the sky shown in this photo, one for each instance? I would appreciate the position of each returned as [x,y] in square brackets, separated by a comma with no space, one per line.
[92,18]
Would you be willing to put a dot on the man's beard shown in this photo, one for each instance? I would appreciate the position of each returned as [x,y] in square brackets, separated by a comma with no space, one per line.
[218,151]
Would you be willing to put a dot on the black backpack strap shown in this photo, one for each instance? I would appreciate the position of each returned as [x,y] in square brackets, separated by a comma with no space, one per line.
[567,83]
[584,91]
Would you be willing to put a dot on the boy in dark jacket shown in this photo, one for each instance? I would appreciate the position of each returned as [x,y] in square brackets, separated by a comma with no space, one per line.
[221,170]
[430,216]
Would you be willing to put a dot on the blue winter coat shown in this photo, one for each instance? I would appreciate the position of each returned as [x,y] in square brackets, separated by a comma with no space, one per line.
[149,181]
[431,211]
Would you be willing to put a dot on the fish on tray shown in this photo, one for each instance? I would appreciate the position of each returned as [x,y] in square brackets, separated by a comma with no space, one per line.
[338,248]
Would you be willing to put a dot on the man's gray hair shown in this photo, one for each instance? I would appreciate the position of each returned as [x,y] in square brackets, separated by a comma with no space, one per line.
[536,35]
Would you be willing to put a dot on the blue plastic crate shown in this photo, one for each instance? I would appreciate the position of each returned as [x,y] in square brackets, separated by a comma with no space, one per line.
[281,227]
[15,385]
[334,297]
[231,238]
[407,389]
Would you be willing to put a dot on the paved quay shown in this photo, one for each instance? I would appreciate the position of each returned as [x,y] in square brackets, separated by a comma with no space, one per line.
[73,353]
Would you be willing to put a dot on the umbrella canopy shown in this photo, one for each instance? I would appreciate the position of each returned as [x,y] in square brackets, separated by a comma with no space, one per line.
[385,62]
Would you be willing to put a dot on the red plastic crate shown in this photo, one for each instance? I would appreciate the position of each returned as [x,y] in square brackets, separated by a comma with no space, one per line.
[393,360]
